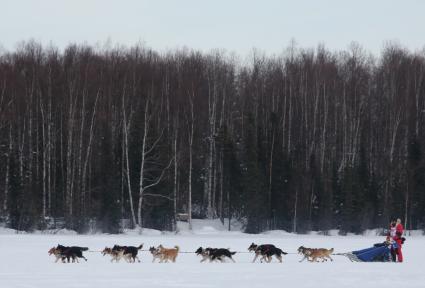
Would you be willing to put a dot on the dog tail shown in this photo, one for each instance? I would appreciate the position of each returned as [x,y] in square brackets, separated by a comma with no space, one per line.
[140,247]
[84,248]
[331,250]
[232,253]
[177,248]
[283,252]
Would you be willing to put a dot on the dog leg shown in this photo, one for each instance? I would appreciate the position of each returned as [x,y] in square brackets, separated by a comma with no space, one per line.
[269,259]
[255,258]
[279,258]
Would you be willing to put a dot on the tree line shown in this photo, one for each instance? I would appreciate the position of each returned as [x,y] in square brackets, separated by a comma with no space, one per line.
[308,140]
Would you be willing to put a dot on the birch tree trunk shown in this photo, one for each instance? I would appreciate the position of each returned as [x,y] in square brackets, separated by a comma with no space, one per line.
[294,223]
[87,157]
[45,152]
[146,150]
[50,143]
[80,177]
[70,158]
[270,180]
[325,120]
[289,120]
[142,165]
[176,131]
[191,124]
[6,180]
[221,203]
[126,128]
[211,157]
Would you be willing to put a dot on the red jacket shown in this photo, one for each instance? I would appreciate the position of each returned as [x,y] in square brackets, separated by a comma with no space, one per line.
[399,229]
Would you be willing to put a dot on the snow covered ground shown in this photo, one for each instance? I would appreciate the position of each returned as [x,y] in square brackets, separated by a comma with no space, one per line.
[25,262]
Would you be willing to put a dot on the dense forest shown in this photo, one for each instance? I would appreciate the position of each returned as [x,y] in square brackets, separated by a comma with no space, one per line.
[310,139]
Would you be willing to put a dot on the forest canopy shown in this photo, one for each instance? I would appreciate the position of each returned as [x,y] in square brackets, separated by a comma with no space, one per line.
[308,140]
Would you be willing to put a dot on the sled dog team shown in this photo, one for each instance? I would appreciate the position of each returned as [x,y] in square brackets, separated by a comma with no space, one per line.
[162,254]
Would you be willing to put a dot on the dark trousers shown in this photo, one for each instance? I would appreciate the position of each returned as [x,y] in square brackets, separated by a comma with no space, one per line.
[394,254]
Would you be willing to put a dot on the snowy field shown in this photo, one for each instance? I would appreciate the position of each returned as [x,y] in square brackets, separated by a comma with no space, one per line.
[25,262]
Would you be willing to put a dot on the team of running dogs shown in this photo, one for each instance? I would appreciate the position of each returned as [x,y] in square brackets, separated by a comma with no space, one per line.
[162,254]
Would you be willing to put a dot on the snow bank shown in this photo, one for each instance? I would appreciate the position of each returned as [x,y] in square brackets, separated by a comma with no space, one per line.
[278,233]
[6,231]
[208,227]
[144,231]
[211,227]
[56,231]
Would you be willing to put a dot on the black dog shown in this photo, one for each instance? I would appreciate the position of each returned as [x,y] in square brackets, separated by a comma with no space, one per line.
[133,251]
[204,253]
[260,250]
[266,251]
[73,252]
[215,254]
[220,253]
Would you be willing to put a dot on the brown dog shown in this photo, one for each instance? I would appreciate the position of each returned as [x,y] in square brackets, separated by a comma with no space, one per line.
[312,254]
[321,253]
[168,253]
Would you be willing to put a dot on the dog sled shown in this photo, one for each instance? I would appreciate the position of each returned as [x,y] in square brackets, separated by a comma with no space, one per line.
[378,253]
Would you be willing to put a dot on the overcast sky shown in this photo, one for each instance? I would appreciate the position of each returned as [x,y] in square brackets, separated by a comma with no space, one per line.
[238,25]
